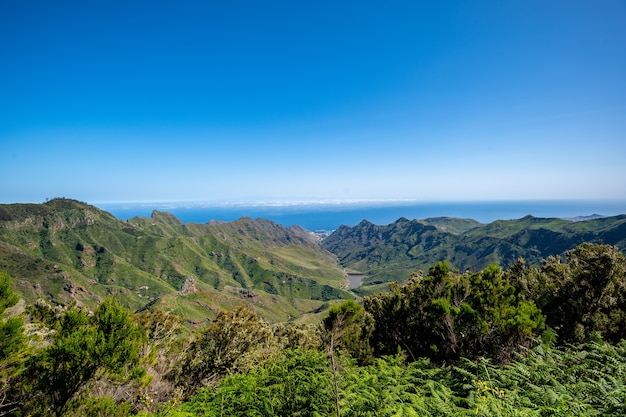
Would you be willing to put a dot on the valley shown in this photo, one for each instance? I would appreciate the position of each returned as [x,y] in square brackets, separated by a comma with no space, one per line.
[66,251]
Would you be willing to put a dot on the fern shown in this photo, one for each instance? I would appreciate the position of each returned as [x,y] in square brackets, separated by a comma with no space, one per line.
[588,380]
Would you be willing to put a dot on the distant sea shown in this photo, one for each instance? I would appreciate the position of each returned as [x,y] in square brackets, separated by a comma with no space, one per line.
[327,216]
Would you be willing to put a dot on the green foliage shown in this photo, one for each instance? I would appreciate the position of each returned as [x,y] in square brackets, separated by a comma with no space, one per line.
[295,383]
[584,295]
[345,327]
[8,297]
[583,380]
[348,327]
[236,341]
[13,347]
[101,407]
[83,347]
[12,337]
[298,335]
[383,389]
[119,339]
[587,380]
[446,315]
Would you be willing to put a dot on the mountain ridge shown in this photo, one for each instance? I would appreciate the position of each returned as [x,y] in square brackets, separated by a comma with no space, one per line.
[391,252]
[67,251]
[64,251]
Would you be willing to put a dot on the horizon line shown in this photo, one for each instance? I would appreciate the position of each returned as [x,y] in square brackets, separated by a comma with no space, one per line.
[330,202]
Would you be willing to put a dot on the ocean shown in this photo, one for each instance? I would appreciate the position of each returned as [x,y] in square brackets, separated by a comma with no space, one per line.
[325,216]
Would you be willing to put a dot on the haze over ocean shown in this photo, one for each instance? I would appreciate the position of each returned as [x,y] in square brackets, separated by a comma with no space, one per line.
[329,216]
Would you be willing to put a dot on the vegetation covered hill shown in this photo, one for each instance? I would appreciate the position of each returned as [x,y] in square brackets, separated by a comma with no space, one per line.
[65,250]
[391,252]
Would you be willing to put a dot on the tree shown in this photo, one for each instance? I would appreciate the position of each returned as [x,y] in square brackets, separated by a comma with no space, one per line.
[165,340]
[236,341]
[298,335]
[8,297]
[84,347]
[501,321]
[12,338]
[12,346]
[346,326]
[447,315]
[588,293]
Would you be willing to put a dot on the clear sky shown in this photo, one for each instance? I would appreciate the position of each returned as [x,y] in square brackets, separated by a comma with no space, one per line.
[295,99]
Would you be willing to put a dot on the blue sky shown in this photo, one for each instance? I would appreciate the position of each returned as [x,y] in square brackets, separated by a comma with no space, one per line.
[308,100]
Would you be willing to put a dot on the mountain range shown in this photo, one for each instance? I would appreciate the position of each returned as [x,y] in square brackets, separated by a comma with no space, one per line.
[67,251]
[391,252]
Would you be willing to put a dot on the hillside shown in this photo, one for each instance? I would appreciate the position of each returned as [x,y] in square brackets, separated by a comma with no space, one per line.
[65,250]
[392,252]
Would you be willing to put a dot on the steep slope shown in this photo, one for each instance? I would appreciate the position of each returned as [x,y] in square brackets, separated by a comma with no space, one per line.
[453,225]
[64,250]
[392,252]
[386,253]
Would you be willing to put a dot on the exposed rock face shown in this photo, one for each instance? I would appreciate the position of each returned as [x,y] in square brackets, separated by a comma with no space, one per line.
[189,286]
[72,289]
[241,292]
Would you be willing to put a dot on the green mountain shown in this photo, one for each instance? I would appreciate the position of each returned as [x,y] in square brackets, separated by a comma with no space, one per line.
[392,252]
[65,250]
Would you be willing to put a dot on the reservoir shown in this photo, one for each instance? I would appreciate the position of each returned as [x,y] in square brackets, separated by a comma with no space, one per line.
[355,280]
